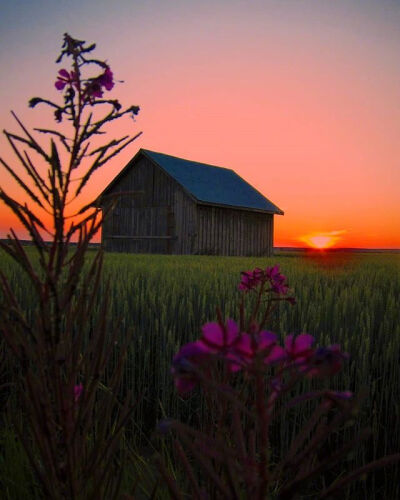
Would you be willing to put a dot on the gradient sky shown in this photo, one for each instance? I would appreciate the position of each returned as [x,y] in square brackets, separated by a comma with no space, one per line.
[301,98]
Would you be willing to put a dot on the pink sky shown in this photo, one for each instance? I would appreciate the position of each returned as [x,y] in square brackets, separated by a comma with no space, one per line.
[301,98]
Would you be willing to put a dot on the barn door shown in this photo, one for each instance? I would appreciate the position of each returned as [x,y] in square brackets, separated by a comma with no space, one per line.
[153,228]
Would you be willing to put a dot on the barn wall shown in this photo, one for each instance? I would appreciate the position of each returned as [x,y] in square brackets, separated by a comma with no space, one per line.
[225,231]
[142,223]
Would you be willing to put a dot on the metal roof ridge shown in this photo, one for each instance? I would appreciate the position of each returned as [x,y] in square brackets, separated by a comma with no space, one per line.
[185,159]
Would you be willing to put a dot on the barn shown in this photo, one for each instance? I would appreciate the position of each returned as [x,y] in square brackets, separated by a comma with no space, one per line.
[168,205]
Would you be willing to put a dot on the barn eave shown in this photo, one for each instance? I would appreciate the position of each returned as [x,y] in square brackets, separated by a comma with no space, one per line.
[236,207]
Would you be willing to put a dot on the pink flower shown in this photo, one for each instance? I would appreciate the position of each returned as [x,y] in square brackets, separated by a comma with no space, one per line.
[299,348]
[273,273]
[190,350]
[184,364]
[92,90]
[94,87]
[326,361]
[263,343]
[106,79]
[251,279]
[78,389]
[277,280]
[65,78]
[217,337]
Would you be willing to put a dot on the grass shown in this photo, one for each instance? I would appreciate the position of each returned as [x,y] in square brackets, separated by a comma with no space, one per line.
[346,298]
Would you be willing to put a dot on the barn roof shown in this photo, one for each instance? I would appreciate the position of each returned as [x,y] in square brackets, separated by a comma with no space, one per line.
[210,184]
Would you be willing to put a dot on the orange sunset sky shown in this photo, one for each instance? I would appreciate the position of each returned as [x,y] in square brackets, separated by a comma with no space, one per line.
[300,97]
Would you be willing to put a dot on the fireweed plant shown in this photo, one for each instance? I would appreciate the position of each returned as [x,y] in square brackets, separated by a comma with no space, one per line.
[251,382]
[72,423]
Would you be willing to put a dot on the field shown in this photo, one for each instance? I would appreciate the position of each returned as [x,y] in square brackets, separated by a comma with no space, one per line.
[347,298]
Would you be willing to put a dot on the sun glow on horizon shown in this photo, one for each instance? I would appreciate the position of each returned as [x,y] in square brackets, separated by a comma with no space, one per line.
[322,240]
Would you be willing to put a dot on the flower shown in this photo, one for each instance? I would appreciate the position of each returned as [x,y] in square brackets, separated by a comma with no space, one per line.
[314,362]
[298,348]
[251,279]
[273,273]
[94,87]
[222,339]
[277,280]
[326,361]
[190,350]
[78,389]
[262,344]
[64,78]
[184,363]
[216,337]
[106,79]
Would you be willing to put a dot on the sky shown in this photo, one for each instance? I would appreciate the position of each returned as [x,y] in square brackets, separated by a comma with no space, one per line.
[300,97]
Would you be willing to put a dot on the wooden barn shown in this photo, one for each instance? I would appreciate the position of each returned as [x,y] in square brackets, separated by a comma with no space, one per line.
[186,207]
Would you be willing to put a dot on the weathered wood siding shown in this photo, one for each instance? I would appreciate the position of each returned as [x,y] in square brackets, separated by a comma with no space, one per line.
[144,222]
[225,231]
[160,220]
[185,211]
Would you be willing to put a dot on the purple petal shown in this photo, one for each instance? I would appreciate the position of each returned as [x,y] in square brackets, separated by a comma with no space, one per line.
[190,350]
[243,346]
[266,339]
[271,272]
[276,355]
[299,344]
[232,331]
[303,342]
[64,73]
[60,84]
[108,79]
[213,334]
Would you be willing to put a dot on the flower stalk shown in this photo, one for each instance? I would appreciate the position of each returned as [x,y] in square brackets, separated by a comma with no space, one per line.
[74,415]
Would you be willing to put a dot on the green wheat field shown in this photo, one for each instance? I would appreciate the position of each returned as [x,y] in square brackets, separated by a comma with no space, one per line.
[347,298]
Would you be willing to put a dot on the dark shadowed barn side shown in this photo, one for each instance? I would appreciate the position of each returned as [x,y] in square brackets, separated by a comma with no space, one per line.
[185,207]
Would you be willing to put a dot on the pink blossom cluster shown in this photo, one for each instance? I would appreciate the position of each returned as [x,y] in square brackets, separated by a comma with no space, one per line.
[93,88]
[244,351]
[271,275]
[254,348]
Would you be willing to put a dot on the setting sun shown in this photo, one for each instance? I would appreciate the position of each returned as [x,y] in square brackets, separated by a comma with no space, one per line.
[322,240]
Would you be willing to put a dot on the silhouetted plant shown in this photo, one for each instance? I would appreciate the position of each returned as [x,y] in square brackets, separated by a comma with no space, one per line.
[72,424]
[250,382]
